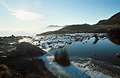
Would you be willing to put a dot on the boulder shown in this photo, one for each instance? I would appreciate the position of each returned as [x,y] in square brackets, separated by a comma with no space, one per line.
[25,49]
[68,42]
[118,55]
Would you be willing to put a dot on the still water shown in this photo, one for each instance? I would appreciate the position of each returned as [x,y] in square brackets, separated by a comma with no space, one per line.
[100,53]
[103,50]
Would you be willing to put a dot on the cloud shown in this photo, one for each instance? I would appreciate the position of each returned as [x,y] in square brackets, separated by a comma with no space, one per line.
[7,31]
[14,29]
[25,15]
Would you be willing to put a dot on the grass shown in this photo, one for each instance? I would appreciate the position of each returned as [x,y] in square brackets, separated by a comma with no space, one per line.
[4,71]
[81,28]
[62,58]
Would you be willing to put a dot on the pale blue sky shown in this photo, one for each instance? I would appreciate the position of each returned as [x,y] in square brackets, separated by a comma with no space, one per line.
[26,17]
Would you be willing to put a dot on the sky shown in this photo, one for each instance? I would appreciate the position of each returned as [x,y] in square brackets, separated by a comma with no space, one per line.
[30,17]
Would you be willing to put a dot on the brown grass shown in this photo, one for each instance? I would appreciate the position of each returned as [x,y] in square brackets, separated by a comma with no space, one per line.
[62,58]
[4,71]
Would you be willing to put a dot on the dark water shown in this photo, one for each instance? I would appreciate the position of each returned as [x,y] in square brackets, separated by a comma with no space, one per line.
[102,52]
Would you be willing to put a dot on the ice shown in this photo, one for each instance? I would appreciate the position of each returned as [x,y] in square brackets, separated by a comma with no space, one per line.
[89,71]
[63,72]
[76,69]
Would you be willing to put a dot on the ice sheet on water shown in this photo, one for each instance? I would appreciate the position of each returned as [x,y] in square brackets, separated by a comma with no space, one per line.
[75,70]
[89,71]
[64,72]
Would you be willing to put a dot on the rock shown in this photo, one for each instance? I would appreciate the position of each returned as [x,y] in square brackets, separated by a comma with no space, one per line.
[87,38]
[26,50]
[49,43]
[77,39]
[59,46]
[81,39]
[95,54]
[68,42]
[118,55]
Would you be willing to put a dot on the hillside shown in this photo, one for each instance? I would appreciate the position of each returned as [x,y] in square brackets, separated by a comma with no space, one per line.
[114,20]
[102,26]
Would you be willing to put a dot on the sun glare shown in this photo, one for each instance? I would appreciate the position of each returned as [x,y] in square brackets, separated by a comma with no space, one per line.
[25,15]
[22,14]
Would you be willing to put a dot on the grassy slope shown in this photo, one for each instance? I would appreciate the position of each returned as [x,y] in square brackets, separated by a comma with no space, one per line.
[81,28]
[101,26]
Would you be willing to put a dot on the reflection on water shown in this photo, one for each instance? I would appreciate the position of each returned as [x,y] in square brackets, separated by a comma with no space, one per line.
[114,38]
[101,50]
[96,40]
[104,50]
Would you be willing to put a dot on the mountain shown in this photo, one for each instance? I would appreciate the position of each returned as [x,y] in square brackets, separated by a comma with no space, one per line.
[102,26]
[54,26]
[114,20]
[86,24]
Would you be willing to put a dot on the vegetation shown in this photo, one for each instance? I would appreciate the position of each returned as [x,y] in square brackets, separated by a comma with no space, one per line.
[62,58]
[83,29]
[103,26]
[1,45]
[4,71]
[5,43]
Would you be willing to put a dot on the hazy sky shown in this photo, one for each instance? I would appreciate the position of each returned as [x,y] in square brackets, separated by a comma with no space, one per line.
[26,17]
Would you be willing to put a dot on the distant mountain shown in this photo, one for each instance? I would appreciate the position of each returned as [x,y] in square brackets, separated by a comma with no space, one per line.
[86,24]
[114,20]
[102,26]
[54,26]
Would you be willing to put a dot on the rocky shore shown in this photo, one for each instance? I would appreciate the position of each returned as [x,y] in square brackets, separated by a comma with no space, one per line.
[21,61]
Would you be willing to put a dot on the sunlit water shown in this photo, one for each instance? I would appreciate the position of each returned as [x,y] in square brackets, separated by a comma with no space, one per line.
[96,55]
[89,57]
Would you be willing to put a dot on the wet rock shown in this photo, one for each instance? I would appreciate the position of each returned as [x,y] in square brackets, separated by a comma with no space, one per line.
[49,43]
[81,39]
[95,54]
[87,38]
[59,46]
[96,37]
[68,42]
[77,39]
[85,41]
[118,55]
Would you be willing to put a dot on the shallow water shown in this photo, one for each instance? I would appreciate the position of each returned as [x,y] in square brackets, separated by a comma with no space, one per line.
[103,50]
[89,57]
[101,54]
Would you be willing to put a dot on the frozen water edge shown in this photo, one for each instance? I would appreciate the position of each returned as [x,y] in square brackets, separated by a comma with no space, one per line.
[75,70]
[88,71]
[63,72]
[72,71]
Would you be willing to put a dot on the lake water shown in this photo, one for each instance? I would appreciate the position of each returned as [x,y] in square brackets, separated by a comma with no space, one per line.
[99,55]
